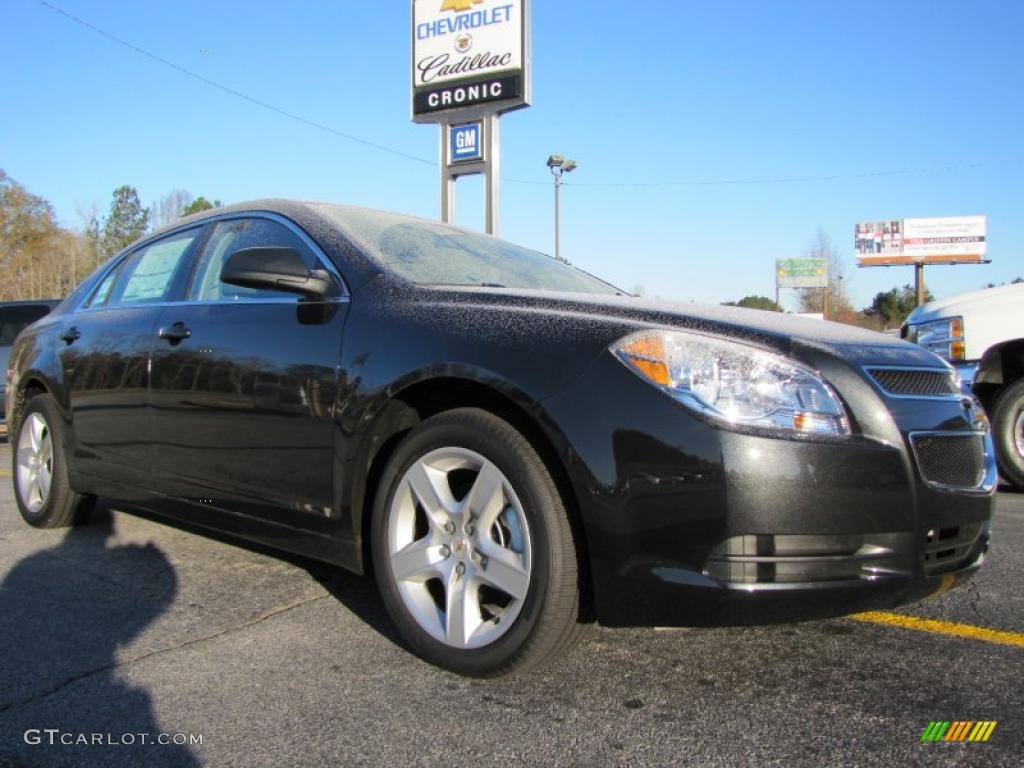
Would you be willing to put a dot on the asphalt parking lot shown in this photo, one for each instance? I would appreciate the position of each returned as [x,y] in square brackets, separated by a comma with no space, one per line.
[131,626]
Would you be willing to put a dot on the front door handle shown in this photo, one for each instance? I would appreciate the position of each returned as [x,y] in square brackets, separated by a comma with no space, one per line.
[175,333]
[71,335]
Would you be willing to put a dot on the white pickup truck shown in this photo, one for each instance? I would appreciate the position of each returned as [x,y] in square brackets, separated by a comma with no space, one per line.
[982,335]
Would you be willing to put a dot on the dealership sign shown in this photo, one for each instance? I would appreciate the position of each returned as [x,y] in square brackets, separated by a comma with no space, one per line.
[469,56]
[944,240]
[465,143]
[801,273]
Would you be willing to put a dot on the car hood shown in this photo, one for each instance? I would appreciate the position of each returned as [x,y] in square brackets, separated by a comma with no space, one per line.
[785,333]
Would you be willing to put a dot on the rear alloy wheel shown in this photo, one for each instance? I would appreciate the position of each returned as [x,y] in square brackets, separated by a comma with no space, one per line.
[45,499]
[1008,432]
[473,552]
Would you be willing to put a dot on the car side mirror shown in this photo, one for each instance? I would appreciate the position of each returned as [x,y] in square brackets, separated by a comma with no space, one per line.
[276,269]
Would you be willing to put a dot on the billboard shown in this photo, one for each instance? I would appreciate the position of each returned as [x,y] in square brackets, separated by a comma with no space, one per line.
[941,240]
[801,273]
[470,57]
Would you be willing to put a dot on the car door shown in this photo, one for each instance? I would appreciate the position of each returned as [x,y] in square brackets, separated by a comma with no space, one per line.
[104,351]
[243,386]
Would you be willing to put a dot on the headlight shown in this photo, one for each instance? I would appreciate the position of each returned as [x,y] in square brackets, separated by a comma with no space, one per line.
[943,337]
[733,382]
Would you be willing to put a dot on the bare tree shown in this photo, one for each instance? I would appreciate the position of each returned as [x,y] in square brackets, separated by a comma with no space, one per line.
[170,208]
[811,299]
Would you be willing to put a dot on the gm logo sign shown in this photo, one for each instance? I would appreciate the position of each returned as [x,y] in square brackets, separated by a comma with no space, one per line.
[466,142]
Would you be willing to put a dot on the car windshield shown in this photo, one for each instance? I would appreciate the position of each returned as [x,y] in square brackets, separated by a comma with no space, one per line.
[13,320]
[429,253]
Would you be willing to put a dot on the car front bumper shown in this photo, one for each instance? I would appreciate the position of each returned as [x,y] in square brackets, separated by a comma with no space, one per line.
[690,524]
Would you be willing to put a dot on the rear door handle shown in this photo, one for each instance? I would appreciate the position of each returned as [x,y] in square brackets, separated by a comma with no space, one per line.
[71,335]
[175,333]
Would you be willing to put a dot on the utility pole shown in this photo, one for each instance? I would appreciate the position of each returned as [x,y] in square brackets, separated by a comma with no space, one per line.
[919,282]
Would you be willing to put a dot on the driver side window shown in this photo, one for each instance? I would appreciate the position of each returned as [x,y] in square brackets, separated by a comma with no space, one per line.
[233,235]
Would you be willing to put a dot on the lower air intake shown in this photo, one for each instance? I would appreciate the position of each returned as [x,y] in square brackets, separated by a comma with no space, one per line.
[952,461]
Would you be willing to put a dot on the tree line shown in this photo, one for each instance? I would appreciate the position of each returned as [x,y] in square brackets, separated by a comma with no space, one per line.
[40,258]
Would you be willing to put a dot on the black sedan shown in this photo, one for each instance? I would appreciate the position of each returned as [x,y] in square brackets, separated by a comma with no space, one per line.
[513,446]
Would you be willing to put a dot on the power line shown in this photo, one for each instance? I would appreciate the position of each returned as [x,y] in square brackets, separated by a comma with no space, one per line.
[233,92]
[794,179]
[433,163]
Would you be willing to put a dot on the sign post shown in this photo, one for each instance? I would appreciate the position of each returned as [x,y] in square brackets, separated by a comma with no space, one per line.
[468,149]
[470,65]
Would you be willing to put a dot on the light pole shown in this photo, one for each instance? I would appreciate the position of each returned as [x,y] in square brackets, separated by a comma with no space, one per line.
[558,166]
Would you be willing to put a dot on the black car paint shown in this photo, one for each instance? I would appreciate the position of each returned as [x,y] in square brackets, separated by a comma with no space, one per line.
[654,487]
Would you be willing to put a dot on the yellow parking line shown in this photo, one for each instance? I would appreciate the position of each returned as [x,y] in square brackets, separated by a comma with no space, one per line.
[950,628]
[6,474]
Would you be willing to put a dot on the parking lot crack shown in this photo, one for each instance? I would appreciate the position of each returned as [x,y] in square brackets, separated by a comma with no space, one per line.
[58,687]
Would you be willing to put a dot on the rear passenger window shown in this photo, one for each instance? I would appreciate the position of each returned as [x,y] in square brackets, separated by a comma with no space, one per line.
[149,273]
[234,235]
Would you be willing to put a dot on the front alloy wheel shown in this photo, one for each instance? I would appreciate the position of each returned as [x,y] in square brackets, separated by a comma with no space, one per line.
[459,547]
[472,547]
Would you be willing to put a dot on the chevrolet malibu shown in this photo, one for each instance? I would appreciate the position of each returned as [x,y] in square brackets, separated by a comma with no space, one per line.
[512,446]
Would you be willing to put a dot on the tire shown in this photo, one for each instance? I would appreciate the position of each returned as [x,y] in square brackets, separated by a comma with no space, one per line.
[1008,432]
[487,583]
[41,489]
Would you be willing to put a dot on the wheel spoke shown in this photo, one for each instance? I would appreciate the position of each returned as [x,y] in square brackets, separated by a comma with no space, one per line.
[430,486]
[25,460]
[416,561]
[36,427]
[462,609]
[43,479]
[486,498]
[32,495]
[505,571]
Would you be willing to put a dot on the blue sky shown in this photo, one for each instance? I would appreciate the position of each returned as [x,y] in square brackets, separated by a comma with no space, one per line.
[917,107]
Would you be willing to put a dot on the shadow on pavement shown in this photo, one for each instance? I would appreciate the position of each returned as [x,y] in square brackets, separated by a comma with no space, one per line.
[357,593]
[66,611]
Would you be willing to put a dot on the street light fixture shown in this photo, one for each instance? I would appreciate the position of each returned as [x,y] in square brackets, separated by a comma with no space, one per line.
[559,165]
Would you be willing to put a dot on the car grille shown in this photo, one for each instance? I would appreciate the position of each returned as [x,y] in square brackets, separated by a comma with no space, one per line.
[946,548]
[907,382]
[955,461]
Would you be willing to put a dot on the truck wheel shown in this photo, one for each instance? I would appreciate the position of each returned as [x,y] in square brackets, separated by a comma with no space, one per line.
[1008,433]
